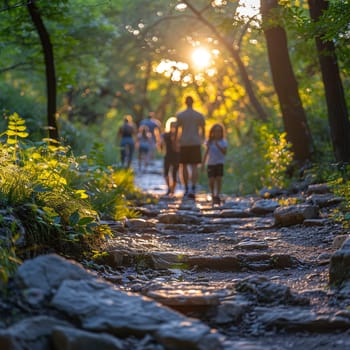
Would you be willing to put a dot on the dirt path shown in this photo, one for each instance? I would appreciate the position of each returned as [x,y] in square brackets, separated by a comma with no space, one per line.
[262,286]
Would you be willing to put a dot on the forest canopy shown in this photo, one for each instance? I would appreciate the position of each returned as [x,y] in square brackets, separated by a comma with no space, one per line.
[275,73]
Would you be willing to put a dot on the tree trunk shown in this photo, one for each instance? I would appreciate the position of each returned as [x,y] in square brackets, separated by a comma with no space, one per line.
[49,67]
[294,118]
[337,111]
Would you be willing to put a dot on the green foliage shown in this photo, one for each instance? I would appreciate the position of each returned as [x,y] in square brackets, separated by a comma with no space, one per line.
[106,58]
[57,200]
[9,233]
[110,189]
[276,154]
[339,181]
[262,161]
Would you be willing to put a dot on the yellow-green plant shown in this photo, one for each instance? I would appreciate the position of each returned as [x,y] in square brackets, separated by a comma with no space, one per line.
[57,198]
[277,154]
[37,174]
[339,183]
[8,259]
[16,130]
[261,161]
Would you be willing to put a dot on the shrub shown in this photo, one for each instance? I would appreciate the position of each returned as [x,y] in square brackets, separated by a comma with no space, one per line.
[262,161]
[57,198]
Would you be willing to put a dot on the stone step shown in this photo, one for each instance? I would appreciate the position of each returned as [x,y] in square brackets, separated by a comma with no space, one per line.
[118,258]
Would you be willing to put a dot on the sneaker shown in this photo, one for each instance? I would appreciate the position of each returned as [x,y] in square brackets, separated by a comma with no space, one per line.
[216,200]
[191,195]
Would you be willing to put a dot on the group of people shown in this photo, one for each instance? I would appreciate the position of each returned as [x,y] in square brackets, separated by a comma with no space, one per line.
[181,143]
[144,138]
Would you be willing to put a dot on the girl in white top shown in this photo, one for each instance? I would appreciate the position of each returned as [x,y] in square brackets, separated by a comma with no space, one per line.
[215,158]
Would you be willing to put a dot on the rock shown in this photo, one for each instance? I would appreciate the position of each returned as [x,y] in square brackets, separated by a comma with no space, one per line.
[166,260]
[324,257]
[344,290]
[137,224]
[339,240]
[191,300]
[283,261]
[30,333]
[316,222]
[235,213]
[246,345]
[238,203]
[148,212]
[188,335]
[323,200]
[339,265]
[252,245]
[264,206]
[34,296]
[302,320]
[218,263]
[185,297]
[232,311]
[260,289]
[270,192]
[178,218]
[318,188]
[99,307]
[295,214]
[120,257]
[47,272]
[67,338]
[154,260]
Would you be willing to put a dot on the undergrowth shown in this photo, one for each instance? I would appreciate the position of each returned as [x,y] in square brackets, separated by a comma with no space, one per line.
[261,162]
[339,182]
[52,201]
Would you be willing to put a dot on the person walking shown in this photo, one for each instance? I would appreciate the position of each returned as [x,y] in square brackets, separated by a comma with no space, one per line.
[171,157]
[126,134]
[154,128]
[143,145]
[214,156]
[190,133]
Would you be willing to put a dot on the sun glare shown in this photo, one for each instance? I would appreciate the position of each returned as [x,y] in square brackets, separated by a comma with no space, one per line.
[248,8]
[201,58]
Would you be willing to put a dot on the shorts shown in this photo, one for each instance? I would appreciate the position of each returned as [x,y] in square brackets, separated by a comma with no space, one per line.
[216,170]
[190,154]
[143,149]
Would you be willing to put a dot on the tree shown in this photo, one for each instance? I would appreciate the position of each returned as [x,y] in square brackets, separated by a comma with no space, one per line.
[336,105]
[236,57]
[49,68]
[293,114]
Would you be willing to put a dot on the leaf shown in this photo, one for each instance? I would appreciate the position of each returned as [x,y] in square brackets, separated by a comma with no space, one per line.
[11,141]
[22,134]
[82,194]
[19,120]
[40,188]
[36,155]
[74,218]
[86,220]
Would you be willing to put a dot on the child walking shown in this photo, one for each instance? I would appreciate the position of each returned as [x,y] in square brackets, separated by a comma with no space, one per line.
[171,157]
[214,156]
